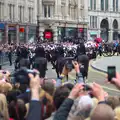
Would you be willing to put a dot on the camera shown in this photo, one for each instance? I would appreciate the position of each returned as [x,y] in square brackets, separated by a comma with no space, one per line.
[21,76]
[69,65]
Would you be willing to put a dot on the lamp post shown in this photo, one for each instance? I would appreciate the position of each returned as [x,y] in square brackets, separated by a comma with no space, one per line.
[37,29]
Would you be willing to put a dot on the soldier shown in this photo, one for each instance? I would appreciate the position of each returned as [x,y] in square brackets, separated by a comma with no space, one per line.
[10,55]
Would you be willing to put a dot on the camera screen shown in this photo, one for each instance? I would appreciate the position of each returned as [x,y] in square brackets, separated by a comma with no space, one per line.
[111,72]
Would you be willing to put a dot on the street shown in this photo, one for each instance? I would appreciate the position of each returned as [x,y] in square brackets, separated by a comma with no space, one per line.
[93,76]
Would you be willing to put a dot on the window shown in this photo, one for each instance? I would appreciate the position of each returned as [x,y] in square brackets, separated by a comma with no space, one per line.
[94,4]
[93,21]
[106,5]
[102,4]
[21,13]
[91,4]
[115,5]
[10,12]
[48,10]
[63,11]
[45,11]
[30,13]
[11,8]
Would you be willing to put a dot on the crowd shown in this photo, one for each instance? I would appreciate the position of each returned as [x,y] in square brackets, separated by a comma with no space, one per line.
[28,95]
[40,99]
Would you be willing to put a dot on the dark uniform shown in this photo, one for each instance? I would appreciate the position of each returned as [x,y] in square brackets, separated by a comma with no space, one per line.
[10,55]
[40,62]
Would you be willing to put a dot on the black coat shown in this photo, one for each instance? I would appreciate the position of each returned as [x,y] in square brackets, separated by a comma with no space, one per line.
[34,111]
[63,112]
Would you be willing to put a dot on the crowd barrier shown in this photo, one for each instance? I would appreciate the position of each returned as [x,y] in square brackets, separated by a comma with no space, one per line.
[4,59]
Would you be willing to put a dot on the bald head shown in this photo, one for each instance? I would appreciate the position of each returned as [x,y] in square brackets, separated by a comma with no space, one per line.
[102,112]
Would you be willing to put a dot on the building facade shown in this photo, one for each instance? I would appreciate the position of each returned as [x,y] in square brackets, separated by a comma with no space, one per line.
[18,20]
[104,19]
[60,19]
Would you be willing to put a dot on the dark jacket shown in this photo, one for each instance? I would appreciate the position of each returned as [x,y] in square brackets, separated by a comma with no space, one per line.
[25,97]
[34,111]
[63,112]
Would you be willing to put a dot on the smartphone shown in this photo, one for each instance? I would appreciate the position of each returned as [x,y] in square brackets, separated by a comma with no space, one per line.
[87,87]
[111,72]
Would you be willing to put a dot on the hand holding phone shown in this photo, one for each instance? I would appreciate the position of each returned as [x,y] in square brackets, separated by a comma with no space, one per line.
[111,71]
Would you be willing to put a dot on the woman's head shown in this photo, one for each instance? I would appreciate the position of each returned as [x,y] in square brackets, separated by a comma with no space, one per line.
[5,87]
[17,110]
[3,107]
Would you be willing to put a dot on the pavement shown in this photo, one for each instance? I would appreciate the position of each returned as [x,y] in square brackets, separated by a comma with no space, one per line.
[104,62]
[93,76]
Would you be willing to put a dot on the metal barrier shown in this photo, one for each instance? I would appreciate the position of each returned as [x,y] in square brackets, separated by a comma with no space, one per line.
[4,59]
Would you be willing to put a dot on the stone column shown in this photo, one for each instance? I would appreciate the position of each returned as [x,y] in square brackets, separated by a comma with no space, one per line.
[27,32]
[110,5]
[110,37]
[6,16]
[59,9]
[119,5]
[6,33]
[85,13]
[40,8]
[26,12]
[16,11]
[17,34]
[67,9]
[98,5]
[55,34]
[41,30]
[56,8]
[79,10]
[98,35]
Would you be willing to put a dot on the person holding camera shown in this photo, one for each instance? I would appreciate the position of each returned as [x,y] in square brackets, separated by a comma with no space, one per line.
[65,72]
[35,104]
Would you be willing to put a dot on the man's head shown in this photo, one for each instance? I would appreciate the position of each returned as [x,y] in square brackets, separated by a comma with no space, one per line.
[60,95]
[102,112]
[49,87]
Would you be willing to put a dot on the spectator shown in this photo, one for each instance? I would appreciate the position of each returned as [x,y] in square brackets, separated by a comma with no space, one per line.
[117,113]
[3,108]
[113,101]
[17,110]
[102,112]
[35,104]
[63,111]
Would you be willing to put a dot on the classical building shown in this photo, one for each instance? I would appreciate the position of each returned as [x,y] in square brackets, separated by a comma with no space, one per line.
[59,19]
[104,19]
[18,20]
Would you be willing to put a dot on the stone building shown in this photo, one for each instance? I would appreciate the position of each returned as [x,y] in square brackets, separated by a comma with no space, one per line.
[18,20]
[104,19]
[60,19]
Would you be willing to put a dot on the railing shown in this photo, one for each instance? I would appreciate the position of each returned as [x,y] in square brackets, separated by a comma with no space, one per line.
[4,58]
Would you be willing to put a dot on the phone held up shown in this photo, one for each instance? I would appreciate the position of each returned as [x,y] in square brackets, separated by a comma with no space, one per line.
[111,71]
